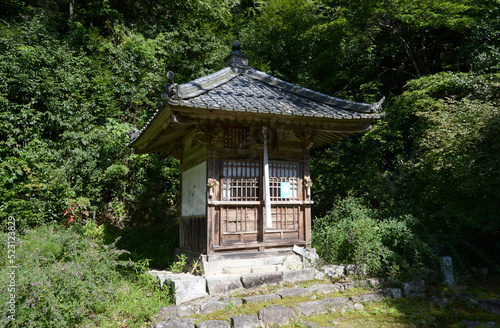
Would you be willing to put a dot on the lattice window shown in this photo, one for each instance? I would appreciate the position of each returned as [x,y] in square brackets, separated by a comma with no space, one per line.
[236,137]
[284,181]
[240,180]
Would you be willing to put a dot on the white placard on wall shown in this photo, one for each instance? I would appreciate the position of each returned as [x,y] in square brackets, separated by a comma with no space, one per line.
[194,191]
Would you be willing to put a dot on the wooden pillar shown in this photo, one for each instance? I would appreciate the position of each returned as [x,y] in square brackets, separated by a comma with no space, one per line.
[307,198]
[212,230]
[267,195]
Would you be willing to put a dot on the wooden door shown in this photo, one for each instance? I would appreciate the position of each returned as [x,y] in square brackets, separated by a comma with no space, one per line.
[286,210]
[242,206]
[240,196]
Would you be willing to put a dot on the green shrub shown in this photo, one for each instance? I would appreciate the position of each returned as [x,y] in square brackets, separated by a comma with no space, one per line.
[351,234]
[178,266]
[155,241]
[409,256]
[62,278]
[66,277]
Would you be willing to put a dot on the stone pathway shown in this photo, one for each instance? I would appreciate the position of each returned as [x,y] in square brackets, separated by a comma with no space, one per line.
[274,315]
[217,293]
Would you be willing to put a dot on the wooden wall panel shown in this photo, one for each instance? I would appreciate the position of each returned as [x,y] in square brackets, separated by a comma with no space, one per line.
[193,233]
[291,235]
[273,236]
[239,224]
[239,218]
[285,217]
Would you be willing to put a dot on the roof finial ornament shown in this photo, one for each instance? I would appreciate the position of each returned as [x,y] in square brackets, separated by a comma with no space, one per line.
[170,76]
[236,47]
[171,89]
[236,59]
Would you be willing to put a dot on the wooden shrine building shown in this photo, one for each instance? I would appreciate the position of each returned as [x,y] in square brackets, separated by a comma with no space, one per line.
[243,139]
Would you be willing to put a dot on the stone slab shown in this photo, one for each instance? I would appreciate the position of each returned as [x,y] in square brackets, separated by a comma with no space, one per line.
[213,266]
[236,270]
[165,276]
[312,308]
[358,307]
[319,275]
[298,275]
[223,285]
[350,269]
[291,292]
[260,298]
[245,321]
[261,279]
[182,323]
[276,315]
[374,282]
[264,268]
[214,324]
[326,288]
[168,313]
[291,266]
[188,289]
[311,256]
[447,271]
[414,289]
[333,271]
[211,305]
[393,292]
[361,283]
[491,305]
[338,303]
[186,310]
[349,285]
[372,297]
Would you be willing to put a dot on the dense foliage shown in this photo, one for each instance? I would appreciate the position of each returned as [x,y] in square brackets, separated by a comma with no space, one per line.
[76,75]
[434,157]
[368,49]
[353,233]
[69,278]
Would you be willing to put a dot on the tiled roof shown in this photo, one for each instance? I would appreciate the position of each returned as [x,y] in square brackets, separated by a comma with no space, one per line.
[252,92]
[240,88]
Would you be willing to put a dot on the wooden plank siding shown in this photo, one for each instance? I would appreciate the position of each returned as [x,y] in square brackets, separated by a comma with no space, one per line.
[239,212]
[235,206]
[213,171]
[193,233]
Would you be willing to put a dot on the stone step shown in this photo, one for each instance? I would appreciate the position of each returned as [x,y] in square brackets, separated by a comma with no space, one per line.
[271,263]
[271,315]
[262,268]
[250,269]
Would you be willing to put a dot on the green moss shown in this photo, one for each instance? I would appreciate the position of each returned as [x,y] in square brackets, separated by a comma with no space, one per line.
[387,313]
[253,308]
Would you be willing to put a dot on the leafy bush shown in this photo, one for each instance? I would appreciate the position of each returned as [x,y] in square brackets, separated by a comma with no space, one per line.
[68,278]
[435,158]
[65,113]
[409,256]
[178,266]
[351,234]
[155,241]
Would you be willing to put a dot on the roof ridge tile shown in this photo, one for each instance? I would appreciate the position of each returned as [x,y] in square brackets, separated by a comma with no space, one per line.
[314,95]
[206,83]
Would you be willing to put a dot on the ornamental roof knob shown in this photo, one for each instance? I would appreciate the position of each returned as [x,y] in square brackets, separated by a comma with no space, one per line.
[236,58]
[236,46]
